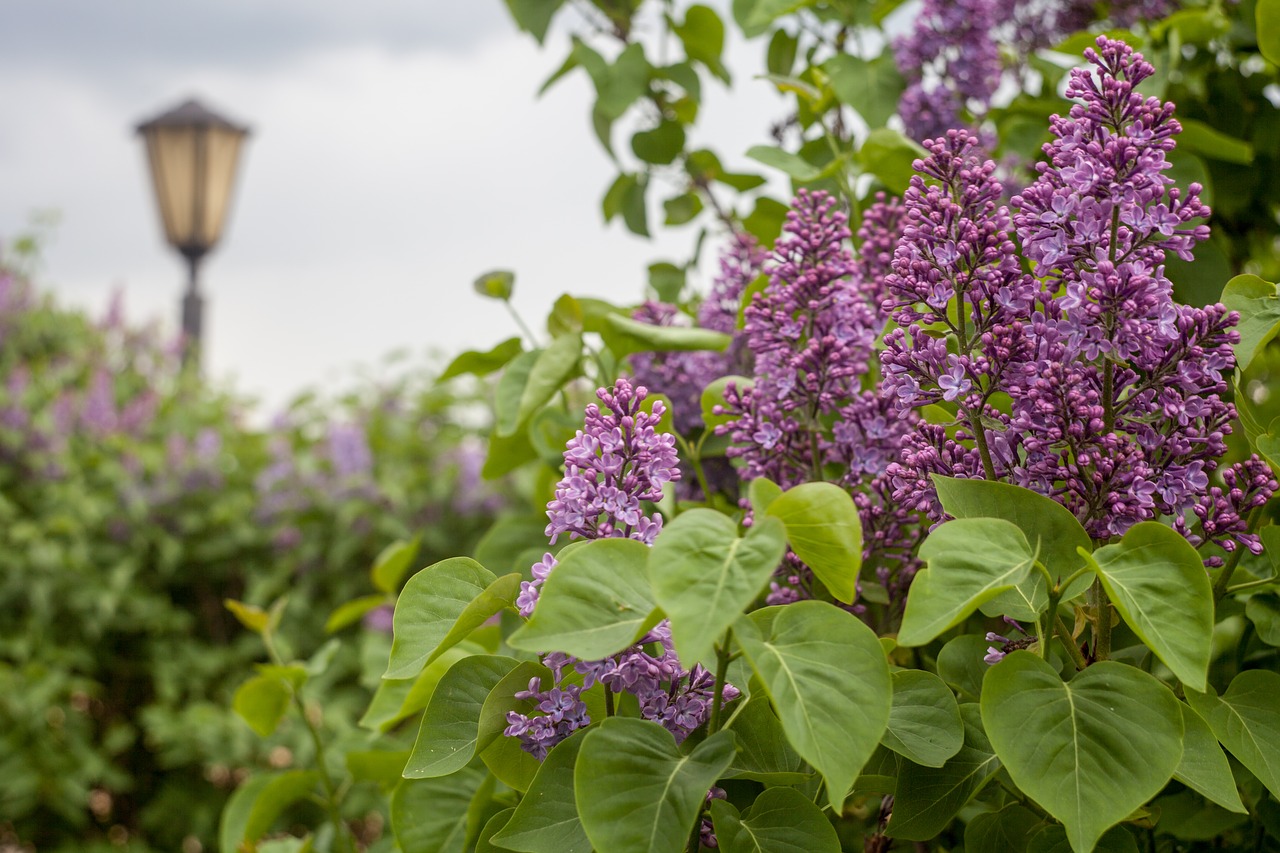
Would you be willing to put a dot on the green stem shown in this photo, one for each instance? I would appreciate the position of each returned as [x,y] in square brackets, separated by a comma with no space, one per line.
[692,456]
[515,315]
[1050,621]
[326,781]
[717,700]
[1224,576]
[608,701]
[1240,587]
[1064,633]
[1102,624]
[980,438]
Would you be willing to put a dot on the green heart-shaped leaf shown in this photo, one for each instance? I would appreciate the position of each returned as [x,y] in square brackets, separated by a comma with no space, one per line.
[546,820]
[1246,719]
[1159,586]
[970,560]
[450,726]
[1204,768]
[704,575]
[1090,750]
[924,724]
[595,603]
[781,820]
[429,607]
[636,792]
[828,677]
[825,531]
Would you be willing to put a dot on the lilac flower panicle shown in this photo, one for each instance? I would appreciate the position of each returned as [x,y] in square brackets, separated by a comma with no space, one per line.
[617,461]
[1116,391]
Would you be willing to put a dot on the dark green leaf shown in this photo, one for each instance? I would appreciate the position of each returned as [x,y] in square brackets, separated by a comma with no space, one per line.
[781,56]
[702,35]
[1210,142]
[825,531]
[653,791]
[704,576]
[681,209]
[659,145]
[1089,751]
[596,602]
[1263,610]
[764,754]
[1005,831]
[961,664]
[1053,839]
[534,16]
[889,155]
[829,680]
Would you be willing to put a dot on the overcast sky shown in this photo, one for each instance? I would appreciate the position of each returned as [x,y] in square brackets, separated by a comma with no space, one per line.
[398,151]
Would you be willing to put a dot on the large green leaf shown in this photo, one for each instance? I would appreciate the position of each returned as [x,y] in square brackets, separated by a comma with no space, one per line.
[702,35]
[1090,750]
[432,815]
[256,804]
[781,820]
[829,680]
[1159,586]
[961,664]
[450,726]
[870,86]
[825,531]
[704,575]
[595,604]
[484,844]
[1051,530]
[1257,302]
[1053,839]
[1246,719]
[554,366]
[927,798]
[1263,610]
[970,560]
[546,820]
[636,791]
[431,604]
[1203,767]
[924,723]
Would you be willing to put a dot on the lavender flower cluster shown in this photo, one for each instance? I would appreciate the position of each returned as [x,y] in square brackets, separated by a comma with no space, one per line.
[1087,383]
[812,335]
[612,465]
[951,59]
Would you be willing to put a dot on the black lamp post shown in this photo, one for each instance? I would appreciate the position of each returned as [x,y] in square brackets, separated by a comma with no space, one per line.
[193,154]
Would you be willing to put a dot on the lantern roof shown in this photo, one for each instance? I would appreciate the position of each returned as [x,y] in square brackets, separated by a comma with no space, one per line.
[191,113]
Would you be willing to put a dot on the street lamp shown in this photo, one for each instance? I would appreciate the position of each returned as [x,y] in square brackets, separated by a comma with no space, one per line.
[193,154]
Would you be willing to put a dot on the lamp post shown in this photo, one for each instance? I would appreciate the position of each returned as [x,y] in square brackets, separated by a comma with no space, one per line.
[192,153]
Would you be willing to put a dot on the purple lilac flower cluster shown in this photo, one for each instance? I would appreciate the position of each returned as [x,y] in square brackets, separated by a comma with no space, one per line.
[1224,515]
[1112,390]
[951,63]
[617,461]
[812,333]
[683,375]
